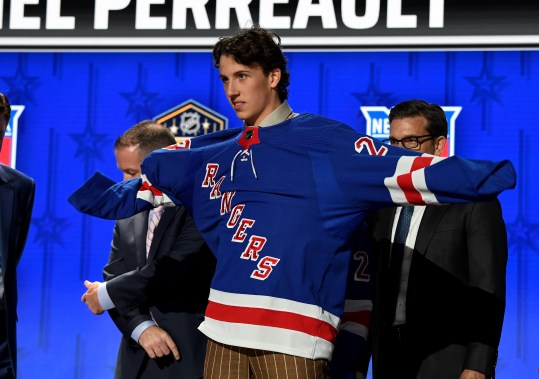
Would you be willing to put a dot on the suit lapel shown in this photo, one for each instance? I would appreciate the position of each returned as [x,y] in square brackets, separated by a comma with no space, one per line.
[140,226]
[159,232]
[431,218]
[386,227]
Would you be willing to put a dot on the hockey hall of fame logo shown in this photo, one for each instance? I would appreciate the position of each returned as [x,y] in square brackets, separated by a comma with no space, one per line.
[8,155]
[378,125]
[191,119]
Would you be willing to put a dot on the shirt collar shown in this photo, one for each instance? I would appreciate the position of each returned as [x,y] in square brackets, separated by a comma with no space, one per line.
[280,114]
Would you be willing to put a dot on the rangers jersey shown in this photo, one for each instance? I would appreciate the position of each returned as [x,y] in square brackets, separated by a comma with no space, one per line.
[279,207]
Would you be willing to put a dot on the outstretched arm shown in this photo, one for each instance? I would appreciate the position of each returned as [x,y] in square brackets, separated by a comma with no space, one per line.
[102,197]
[375,175]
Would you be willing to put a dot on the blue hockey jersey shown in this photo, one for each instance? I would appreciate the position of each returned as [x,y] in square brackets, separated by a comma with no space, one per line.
[279,207]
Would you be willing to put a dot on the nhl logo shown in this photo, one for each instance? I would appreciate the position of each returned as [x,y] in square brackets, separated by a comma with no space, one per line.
[191,119]
[190,123]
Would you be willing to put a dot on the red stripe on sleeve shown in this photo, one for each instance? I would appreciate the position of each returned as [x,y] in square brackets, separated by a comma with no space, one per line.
[406,183]
[147,187]
[421,162]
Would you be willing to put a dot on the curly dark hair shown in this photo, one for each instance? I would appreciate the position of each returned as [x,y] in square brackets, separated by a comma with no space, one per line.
[255,46]
[435,115]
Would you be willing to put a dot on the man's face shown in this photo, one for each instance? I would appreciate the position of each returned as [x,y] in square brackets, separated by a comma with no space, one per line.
[416,127]
[129,159]
[251,93]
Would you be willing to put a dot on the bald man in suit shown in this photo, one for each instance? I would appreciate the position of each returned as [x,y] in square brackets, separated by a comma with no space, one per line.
[164,271]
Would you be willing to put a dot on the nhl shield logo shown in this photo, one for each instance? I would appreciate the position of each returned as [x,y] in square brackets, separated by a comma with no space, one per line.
[191,119]
[8,154]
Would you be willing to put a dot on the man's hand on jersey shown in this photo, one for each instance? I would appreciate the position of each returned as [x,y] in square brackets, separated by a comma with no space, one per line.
[91,299]
[158,343]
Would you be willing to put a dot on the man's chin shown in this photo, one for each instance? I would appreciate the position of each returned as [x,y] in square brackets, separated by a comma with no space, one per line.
[244,117]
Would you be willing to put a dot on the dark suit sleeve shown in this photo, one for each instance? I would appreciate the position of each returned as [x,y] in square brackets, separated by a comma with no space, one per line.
[28,190]
[117,266]
[139,287]
[487,257]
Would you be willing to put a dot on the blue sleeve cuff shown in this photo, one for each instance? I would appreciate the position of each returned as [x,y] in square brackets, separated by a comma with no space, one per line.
[103,297]
[140,329]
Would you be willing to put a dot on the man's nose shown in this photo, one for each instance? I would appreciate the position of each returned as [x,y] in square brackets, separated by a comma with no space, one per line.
[231,89]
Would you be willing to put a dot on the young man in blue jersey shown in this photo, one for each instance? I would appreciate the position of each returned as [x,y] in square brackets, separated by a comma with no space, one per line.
[279,202]
[253,70]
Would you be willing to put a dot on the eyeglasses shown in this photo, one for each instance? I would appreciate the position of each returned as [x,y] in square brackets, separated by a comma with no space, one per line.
[411,142]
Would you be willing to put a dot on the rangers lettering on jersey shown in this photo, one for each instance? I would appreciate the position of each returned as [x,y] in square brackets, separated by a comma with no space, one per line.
[211,172]
[256,243]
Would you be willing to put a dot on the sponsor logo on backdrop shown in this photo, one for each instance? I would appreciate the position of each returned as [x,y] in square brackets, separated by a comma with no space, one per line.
[378,124]
[8,154]
[190,119]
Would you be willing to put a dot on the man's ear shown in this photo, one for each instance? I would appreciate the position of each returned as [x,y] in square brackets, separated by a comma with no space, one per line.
[439,144]
[275,77]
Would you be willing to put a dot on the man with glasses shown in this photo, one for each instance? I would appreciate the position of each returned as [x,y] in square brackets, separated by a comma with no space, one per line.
[440,290]
[411,142]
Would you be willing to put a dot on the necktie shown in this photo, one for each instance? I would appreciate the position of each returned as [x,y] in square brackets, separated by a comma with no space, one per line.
[397,254]
[154,220]
[403,225]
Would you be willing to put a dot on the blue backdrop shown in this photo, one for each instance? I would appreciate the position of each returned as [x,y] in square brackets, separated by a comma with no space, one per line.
[77,103]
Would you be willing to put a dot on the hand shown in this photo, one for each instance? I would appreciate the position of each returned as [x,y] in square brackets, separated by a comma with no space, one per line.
[158,343]
[90,297]
[471,374]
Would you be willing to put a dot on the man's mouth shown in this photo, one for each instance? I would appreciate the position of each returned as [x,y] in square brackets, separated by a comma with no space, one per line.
[237,105]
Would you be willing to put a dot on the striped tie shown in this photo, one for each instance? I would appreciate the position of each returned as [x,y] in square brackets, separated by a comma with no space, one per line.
[154,220]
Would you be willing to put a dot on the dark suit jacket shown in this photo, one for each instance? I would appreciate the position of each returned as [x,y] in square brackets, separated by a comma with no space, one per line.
[456,291]
[173,284]
[16,202]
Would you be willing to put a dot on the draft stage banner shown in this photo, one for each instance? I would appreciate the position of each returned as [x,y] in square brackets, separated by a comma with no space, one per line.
[192,24]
